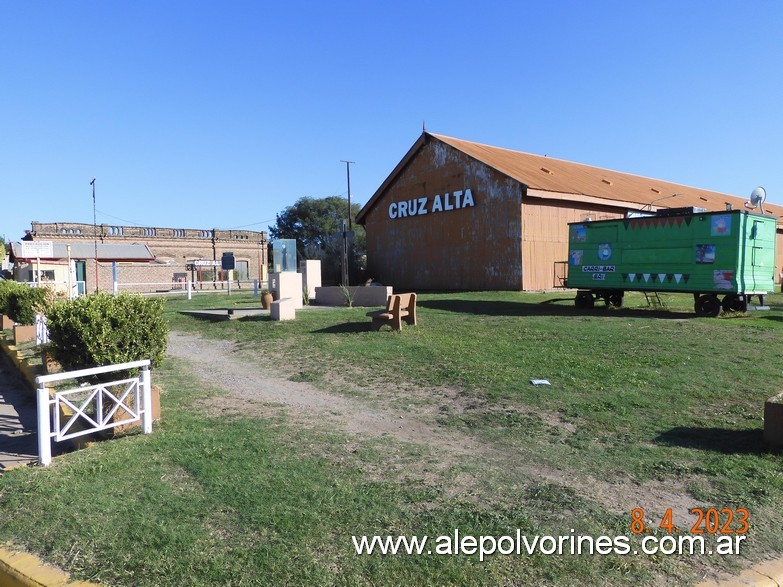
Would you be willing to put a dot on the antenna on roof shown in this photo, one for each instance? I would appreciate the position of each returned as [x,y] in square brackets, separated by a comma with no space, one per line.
[423,126]
[757,198]
[650,205]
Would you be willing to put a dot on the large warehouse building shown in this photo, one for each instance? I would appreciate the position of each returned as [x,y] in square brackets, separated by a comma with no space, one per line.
[456,214]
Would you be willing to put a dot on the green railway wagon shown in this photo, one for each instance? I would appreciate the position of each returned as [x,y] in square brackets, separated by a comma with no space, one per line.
[709,254]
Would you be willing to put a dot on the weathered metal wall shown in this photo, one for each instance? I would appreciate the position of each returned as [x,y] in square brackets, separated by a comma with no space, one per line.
[414,241]
[545,236]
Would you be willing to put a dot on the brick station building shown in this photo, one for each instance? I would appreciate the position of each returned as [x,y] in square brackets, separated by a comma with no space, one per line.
[179,254]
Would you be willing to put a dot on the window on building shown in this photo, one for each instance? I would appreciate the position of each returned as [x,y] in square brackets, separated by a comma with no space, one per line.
[43,275]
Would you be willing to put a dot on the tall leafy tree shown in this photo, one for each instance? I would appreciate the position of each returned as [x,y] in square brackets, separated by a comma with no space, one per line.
[313,222]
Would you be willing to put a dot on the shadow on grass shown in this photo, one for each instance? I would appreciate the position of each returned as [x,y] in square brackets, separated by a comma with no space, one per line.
[720,440]
[207,316]
[254,318]
[546,308]
[345,328]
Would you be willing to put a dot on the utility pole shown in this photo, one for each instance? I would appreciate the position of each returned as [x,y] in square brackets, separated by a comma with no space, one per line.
[95,232]
[346,234]
[348,172]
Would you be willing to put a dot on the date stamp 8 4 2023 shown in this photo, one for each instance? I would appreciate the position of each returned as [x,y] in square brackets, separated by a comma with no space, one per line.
[706,521]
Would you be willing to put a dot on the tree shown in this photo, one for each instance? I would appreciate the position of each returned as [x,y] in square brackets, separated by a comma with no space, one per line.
[315,224]
[314,221]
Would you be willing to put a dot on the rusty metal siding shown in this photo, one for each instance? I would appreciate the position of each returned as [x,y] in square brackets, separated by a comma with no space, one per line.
[507,241]
[477,247]
[545,236]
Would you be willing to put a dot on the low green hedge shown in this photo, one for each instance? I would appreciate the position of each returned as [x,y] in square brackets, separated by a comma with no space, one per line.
[102,329]
[25,304]
[21,303]
[7,288]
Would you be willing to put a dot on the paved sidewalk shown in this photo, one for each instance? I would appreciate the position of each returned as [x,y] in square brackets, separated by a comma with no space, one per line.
[18,421]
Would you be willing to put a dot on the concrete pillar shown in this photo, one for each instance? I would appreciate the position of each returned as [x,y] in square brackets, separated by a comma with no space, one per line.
[287,284]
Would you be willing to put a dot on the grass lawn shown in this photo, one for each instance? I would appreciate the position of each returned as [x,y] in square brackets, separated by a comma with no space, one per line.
[643,406]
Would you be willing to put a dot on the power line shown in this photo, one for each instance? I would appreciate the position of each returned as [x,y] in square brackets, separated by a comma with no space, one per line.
[338,195]
[253,224]
[123,219]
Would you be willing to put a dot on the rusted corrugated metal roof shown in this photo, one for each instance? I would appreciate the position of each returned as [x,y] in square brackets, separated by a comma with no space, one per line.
[555,178]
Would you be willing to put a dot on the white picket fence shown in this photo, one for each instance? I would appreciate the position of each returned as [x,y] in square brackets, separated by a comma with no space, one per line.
[164,288]
[94,408]
[190,288]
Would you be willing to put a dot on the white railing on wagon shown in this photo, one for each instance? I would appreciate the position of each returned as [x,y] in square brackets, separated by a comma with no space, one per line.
[88,403]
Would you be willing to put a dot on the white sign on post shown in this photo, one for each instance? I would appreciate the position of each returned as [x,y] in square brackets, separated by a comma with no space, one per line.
[37,249]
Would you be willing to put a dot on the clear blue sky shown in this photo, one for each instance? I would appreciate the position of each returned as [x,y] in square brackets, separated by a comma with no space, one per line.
[198,114]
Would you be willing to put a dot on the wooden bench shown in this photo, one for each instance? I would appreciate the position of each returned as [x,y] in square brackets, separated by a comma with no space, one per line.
[399,308]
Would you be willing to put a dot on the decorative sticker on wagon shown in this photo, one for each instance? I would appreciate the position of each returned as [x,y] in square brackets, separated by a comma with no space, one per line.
[604,251]
[722,279]
[599,276]
[720,225]
[705,253]
[598,269]
[575,257]
[578,233]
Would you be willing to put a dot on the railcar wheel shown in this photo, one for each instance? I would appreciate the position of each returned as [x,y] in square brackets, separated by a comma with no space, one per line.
[584,300]
[614,299]
[708,306]
[734,303]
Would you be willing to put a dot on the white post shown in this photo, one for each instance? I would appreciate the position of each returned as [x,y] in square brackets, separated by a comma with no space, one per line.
[116,287]
[70,287]
[146,400]
[44,432]
[41,334]
[190,289]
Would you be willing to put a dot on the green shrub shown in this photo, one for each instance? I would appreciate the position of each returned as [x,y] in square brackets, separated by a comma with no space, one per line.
[25,302]
[102,329]
[8,287]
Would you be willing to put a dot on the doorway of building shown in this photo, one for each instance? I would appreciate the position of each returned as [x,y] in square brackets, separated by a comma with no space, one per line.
[81,277]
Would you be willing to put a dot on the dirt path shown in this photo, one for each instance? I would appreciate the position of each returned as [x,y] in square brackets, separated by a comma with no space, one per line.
[253,390]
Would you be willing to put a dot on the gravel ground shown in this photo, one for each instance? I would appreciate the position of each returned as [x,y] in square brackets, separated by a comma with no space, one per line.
[254,390]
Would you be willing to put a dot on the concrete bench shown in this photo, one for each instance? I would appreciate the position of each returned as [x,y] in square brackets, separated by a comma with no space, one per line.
[373,296]
[399,308]
[284,309]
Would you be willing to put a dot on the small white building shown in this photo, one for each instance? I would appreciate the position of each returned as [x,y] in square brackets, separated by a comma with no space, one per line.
[64,265]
